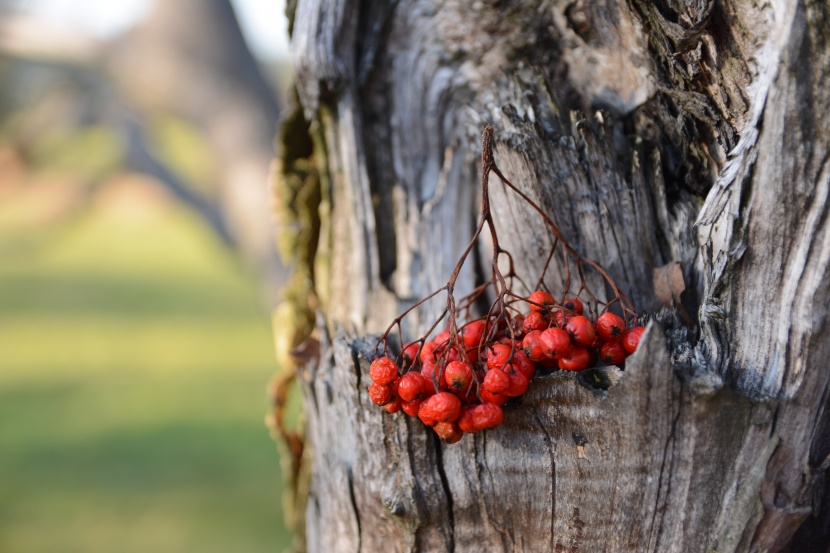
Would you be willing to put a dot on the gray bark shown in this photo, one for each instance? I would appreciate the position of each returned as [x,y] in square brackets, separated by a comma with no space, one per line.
[654,133]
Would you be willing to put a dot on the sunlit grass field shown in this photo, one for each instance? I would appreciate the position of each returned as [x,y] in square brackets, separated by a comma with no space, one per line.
[134,354]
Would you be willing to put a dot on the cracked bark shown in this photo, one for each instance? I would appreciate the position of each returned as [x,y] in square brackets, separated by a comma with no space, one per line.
[653,133]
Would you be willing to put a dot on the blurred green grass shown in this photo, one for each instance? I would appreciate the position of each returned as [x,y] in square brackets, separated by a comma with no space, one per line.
[134,355]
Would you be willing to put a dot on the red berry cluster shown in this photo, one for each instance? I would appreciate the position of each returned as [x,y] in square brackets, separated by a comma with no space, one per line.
[458,381]
[456,391]
[565,335]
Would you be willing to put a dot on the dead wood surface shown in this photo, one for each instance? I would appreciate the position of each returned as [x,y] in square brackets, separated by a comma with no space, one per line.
[654,134]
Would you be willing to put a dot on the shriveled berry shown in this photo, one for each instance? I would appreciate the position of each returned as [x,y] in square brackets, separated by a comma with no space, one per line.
[631,339]
[411,408]
[610,326]
[498,355]
[577,359]
[555,342]
[532,346]
[472,333]
[383,371]
[498,399]
[574,306]
[518,384]
[487,415]
[496,381]
[448,431]
[442,407]
[534,321]
[411,386]
[612,353]
[544,301]
[581,331]
[465,420]
[380,395]
[393,406]
[516,323]
[458,375]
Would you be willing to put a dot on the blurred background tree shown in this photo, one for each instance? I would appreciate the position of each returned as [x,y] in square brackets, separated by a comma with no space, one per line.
[180,98]
[136,270]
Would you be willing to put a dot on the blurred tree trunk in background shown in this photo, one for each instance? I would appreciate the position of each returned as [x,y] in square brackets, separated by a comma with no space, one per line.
[659,135]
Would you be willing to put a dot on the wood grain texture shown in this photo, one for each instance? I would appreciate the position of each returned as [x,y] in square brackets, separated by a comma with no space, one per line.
[652,133]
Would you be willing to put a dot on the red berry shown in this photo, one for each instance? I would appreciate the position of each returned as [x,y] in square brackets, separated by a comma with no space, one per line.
[581,331]
[472,333]
[562,317]
[448,431]
[442,407]
[498,399]
[427,351]
[441,338]
[411,408]
[383,371]
[577,359]
[522,364]
[532,346]
[498,356]
[452,355]
[544,300]
[574,306]
[465,420]
[381,395]
[610,326]
[458,375]
[518,384]
[411,386]
[496,381]
[393,406]
[466,395]
[487,415]
[631,339]
[428,371]
[534,321]
[410,352]
[612,353]
[426,414]
[556,342]
[506,341]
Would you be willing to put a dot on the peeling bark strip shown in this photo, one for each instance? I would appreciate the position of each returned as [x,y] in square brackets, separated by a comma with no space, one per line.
[710,151]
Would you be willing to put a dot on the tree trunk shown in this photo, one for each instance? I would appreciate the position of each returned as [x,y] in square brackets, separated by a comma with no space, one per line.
[657,135]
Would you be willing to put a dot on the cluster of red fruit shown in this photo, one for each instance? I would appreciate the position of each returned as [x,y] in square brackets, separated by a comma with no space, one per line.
[456,391]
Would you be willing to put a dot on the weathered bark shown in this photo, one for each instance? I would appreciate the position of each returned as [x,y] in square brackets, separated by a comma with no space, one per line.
[711,150]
